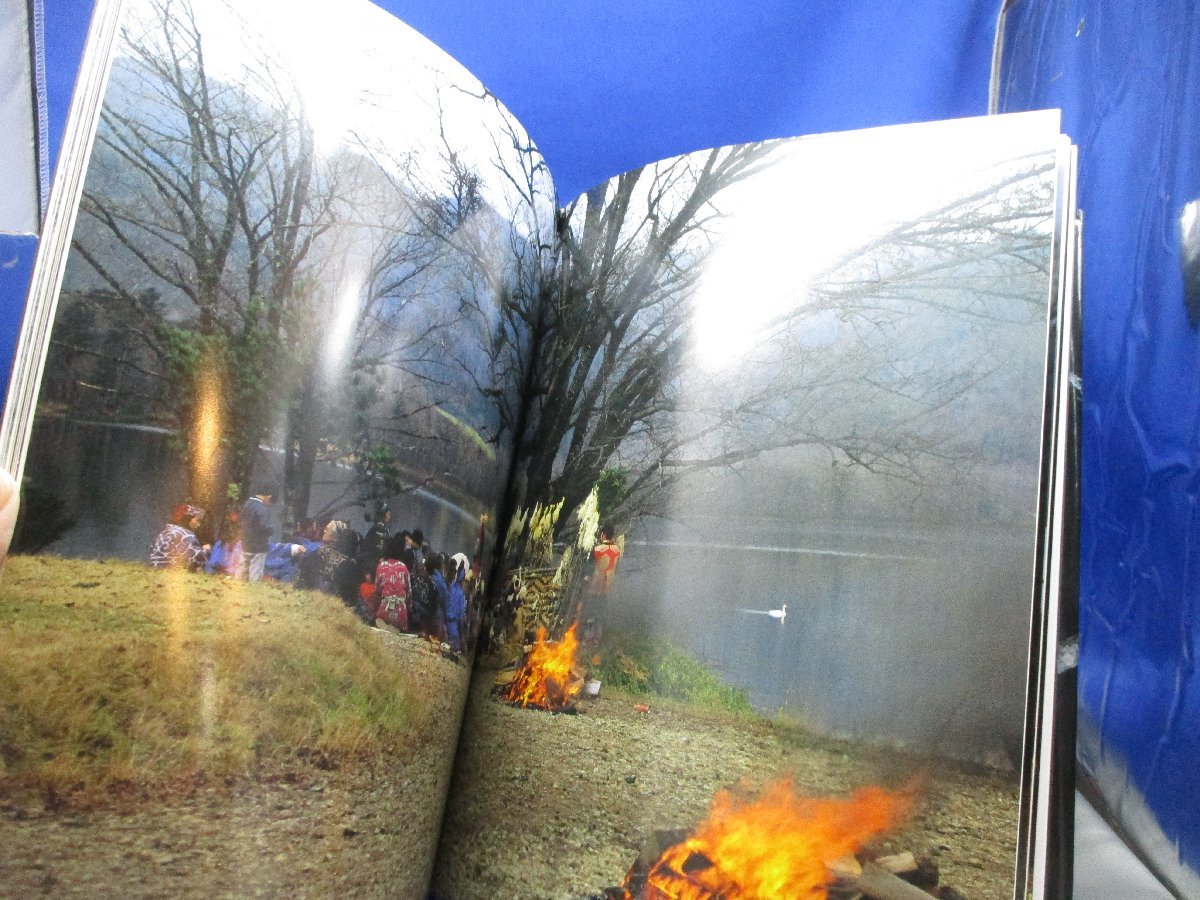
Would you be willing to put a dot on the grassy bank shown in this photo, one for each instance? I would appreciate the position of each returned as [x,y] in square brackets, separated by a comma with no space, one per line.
[644,666]
[119,679]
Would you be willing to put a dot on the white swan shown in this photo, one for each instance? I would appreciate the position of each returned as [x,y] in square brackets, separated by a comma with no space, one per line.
[779,614]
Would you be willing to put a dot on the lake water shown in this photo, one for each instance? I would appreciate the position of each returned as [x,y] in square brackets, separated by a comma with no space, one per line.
[120,484]
[913,639]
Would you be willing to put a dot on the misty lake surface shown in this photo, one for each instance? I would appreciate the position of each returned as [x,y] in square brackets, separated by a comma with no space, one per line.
[120,483]
[911,639]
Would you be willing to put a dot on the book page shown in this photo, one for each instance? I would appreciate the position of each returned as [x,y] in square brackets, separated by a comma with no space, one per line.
[767,625]
[269,450]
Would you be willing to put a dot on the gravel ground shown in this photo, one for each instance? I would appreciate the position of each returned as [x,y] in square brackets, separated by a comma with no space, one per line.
[301,833]
[558,806]
[545,806]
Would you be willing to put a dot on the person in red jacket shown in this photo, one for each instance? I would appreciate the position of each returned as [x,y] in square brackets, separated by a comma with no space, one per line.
[391,586]
[607,553]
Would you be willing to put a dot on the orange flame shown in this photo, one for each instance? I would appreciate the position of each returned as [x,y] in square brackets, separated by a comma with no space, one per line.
[778,846]
[547,678]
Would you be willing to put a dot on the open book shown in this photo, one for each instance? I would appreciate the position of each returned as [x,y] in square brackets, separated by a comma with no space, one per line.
[394,527]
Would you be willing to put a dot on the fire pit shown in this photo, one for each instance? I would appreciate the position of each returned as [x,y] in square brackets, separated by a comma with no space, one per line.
[778,845]
[547,677]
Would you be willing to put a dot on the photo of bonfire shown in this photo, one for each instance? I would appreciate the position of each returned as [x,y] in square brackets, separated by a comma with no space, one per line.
[548,677]
[757,837]
[775,845]
[774,549]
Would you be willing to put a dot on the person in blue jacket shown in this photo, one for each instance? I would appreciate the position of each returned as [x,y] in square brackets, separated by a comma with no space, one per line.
[283,561]
[436,564]
[456,605]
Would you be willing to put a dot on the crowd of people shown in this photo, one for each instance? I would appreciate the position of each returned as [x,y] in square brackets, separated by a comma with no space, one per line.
[390,580]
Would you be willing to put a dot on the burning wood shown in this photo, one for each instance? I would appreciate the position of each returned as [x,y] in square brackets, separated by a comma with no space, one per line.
[548,677]
[780,845]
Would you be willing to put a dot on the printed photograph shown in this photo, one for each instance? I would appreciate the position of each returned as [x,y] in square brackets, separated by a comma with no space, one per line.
[269,454]
[711,495]
[765,626]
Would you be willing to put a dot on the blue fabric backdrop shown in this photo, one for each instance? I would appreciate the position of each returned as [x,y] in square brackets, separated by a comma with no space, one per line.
[65,31]
[1127,80]
[606,86]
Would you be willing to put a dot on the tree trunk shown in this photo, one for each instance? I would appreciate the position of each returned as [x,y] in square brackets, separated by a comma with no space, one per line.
[301,454]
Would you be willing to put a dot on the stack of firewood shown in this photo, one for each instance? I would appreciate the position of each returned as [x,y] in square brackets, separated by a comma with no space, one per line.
[901,876]
[536,602]
[508,674]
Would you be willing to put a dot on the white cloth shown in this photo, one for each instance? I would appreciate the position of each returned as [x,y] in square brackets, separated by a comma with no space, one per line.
[1105,869]
[19,213]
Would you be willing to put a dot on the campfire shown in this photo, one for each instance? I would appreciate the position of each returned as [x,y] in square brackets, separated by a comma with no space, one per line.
[778,845]
[548,676]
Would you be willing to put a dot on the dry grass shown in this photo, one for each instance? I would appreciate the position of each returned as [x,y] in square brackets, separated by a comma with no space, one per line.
[116,679]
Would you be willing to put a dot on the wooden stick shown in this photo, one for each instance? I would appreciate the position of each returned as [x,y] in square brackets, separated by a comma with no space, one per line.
[880,884]
[898,863]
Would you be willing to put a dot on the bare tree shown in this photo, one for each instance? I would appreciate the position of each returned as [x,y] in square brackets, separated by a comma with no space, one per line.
[210,192]
[494,222]
[584,318]
[889,362]
[910,358]
[239,255]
